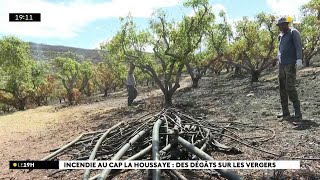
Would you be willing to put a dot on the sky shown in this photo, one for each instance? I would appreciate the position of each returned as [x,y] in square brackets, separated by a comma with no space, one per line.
[87,23]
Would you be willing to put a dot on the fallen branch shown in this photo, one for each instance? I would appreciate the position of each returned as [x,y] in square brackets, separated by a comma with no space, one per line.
[160,137]
[96,147]
[121,152]
[202,155]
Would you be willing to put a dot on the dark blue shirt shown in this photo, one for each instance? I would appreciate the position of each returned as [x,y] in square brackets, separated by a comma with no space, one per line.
[290,48]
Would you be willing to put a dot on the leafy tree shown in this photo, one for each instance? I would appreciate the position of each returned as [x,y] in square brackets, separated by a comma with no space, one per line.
[172,43]
[215,43]
[86,69]
[254,48]
[13,51]
[67,70]
[42,83]
[15,72]
[309,28]
[104,78]
[115,65]
[59,91]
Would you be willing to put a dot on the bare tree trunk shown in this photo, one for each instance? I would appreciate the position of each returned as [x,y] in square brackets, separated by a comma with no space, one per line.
[274,63]
[105,92]
[195,82]
[195,79]
[84,85]
[38,101]
[255,76]
[21,104]
[168,99]
[237,71]
[70,96]
[46,101]
[307,62]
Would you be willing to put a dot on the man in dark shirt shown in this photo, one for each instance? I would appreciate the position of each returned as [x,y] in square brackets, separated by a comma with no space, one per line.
[290,58]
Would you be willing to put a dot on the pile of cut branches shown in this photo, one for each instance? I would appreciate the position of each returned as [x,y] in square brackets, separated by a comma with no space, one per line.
[170,134]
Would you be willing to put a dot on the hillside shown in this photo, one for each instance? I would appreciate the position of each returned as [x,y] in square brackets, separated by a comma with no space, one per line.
[44,52]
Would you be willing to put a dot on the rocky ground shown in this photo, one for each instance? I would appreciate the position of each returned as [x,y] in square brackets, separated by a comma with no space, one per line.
[222,99]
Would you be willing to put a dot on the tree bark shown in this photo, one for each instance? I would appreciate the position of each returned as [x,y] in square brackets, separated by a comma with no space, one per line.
[21,104]
[195,82]
[38,100]
[255,76]
[307,62]
[105,92]
[237,71]
[70,97]
[46,101]
[84,85]
[194,79]
[168,99]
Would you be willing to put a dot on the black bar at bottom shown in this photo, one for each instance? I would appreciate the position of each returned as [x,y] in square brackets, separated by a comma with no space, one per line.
[34,164]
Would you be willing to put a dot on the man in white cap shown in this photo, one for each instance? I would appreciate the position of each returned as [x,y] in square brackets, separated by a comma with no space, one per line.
[290,58]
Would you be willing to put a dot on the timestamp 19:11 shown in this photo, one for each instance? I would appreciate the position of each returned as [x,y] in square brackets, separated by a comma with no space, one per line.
[24,17]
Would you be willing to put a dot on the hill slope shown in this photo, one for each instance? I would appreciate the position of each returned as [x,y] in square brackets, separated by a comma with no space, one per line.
[44,52]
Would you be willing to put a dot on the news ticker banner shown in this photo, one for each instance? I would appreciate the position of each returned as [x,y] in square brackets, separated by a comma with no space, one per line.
[279,164]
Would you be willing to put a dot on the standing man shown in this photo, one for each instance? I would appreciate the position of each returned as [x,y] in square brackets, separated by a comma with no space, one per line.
[131,85]
[290,58]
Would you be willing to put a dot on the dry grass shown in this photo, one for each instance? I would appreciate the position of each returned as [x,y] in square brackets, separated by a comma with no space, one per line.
[30,134]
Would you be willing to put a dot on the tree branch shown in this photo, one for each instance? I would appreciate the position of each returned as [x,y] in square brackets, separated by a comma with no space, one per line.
[153,74]
[236,64]
[7,91]
[177,80]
